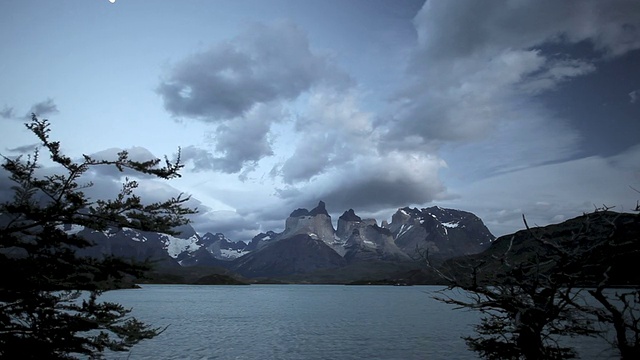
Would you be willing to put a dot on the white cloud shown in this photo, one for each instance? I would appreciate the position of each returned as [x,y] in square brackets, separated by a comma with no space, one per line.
[331,130]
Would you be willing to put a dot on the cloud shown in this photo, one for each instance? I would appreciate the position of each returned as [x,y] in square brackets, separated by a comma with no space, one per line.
[43,108]
[526,139]
[237,144]
[634,96]
[201,159]
[476,66]
[245,141]
[233,225]
[555,72]
[550,192]
[373,182]
[7,113]
[25,149]
[332,130]
[243,87]
[266,63]
[462,100]
[135,153]
[466,28]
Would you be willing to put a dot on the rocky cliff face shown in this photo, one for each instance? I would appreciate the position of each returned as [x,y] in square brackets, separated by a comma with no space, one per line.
[315,223]
[365,240]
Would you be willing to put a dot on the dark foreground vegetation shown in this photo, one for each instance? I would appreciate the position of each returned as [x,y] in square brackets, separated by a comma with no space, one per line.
[194,275]
[49,307]
[542,284]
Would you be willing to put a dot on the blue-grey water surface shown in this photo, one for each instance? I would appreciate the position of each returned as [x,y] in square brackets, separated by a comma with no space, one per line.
[301,322]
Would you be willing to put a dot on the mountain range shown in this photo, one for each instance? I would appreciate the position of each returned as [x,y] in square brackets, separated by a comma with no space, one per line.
[308,245]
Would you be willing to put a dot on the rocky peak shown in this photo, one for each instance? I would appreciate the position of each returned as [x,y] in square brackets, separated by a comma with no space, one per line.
[299,212]
[209,238]
[315,223]
[347,223]
[320,209]
[350,215]
[445,232]
[261,239]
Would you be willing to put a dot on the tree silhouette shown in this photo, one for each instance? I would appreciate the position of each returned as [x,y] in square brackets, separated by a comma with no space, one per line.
[532,288]
[49,307]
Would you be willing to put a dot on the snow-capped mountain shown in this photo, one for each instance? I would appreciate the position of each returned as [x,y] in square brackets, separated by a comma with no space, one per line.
[310,239]
[138,245]
[222,248]
[444,232]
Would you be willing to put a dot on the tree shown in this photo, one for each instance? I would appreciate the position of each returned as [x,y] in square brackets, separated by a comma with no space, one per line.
[616,306]
[531,288]
[49,307]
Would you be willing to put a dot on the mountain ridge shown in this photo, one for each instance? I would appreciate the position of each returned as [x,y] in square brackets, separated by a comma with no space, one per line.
[445,232]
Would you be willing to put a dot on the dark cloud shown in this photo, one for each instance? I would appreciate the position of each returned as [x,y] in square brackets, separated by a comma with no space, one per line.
[201,159]
[373,194]
[7,113]
[314,155]
[234,226]
[477,65]
[391,180]
[237,144]
[466,28]
[240,86]
[43,108]
[25,149]
[264,64]
[244,141]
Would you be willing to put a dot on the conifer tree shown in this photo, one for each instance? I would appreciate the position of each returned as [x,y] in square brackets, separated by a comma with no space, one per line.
[49,295]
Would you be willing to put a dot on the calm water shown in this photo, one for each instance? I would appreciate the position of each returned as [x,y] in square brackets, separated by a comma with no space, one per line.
[300,322]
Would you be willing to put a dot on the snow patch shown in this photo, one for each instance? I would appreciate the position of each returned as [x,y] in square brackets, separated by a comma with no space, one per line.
[134,235]
[403,230]
[175,246]
[74,228]
[451,224]
[369,243]
[232,254]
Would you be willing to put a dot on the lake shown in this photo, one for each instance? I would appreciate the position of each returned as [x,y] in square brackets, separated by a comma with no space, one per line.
[302,322]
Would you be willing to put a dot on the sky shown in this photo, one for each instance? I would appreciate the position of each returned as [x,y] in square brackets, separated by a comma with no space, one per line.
[502,108]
